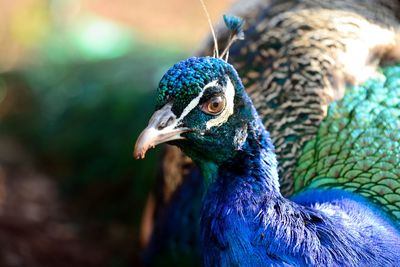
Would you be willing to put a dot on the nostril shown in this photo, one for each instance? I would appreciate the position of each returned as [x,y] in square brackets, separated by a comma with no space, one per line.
[166,122]
[161,126]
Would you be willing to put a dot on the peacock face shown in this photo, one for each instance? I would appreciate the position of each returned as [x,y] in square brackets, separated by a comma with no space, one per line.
[201,108]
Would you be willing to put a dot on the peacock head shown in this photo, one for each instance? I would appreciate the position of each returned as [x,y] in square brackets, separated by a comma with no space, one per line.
[202,108]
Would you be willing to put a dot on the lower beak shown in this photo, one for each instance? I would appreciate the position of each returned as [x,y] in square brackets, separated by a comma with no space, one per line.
[162,128]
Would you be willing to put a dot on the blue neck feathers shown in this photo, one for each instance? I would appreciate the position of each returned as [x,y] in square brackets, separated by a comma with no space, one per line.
[245,220]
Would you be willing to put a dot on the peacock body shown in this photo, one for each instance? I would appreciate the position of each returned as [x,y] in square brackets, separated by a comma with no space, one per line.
[202,107]
[310,69]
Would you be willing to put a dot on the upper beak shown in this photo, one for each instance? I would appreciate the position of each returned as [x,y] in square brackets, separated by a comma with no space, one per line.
[163,127]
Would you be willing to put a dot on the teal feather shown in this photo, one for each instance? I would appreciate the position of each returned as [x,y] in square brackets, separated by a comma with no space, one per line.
[357,146]
[235,26]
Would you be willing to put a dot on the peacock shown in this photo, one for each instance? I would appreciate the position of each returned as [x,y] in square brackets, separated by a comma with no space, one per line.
[311,70]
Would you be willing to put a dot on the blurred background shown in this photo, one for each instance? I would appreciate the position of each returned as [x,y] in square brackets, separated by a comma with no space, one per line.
[77,79]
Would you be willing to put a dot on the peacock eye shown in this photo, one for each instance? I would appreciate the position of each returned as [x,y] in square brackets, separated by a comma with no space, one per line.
[214,105]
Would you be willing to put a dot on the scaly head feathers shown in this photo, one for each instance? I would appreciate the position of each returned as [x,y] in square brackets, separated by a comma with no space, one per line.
[187,78]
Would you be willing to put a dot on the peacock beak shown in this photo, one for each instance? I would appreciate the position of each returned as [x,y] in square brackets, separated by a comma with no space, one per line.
[163,127]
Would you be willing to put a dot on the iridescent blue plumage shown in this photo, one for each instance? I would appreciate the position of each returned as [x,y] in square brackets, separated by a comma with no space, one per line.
[245,221]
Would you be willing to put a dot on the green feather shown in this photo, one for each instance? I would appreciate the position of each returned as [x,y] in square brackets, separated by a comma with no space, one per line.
[357,147]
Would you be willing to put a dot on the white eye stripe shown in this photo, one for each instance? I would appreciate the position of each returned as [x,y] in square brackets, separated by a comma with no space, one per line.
[221,118]
[195,101]
[228,111]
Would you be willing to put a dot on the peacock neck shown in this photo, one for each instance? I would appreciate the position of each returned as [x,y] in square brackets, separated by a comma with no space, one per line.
[253,166]
[234,195]
[245,221]
[243,209]
[253,161]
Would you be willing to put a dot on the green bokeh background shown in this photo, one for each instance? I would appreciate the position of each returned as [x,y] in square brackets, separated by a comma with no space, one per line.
[74,103]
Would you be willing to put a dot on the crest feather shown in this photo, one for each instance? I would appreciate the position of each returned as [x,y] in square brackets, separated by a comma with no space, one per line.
[235,26]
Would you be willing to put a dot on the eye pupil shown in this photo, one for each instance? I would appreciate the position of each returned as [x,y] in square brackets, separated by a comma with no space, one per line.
[214,105]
